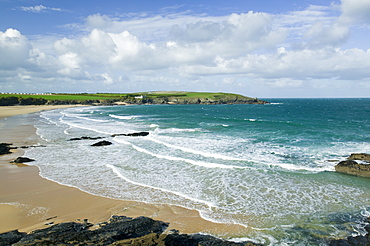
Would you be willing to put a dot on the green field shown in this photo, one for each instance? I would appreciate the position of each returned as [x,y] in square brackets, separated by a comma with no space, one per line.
[159,97]
[102,96]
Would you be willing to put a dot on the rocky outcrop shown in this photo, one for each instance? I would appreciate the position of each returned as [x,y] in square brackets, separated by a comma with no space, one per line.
[22,160]
[135,134]
[102,143]
[8,238]
[353,240]
[350,166]
[5,148]
[178,99]
[360,157]
[119,230]
[85,138]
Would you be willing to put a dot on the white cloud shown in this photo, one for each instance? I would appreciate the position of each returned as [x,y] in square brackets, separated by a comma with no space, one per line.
[296,65]
[235,34]
[38,9]
[320,35]
[127,48]
[356,11]
[201,31]
[14,49]
[182,51]
[107,79]
[149,28]
[71,65]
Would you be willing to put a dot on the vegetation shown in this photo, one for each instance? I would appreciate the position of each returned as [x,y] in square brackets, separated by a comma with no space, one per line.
[162,97]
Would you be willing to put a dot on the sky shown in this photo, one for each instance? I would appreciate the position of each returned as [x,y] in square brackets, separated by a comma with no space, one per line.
[265,49]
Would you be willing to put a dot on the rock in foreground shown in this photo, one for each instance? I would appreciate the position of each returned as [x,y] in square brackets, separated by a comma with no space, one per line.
[8,238]
[353,240]
[119,230]
[350,166]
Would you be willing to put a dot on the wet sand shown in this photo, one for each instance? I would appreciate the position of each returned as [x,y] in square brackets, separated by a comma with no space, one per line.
[28,201]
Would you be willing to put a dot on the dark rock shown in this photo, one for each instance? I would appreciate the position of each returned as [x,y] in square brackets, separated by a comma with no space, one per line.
[354,240]
[119,230]
[173,231]
[351,241]
[61,233]
[367,227]
[5,148]
[123,227]
[353,168]
[102,143]
[85,138]
[339,242]
[358,240]
[31,146]
[180,240]
[52,218]
[138,134]
[155,239]
[135,134]
[152,239]
[22,160]
[206,240]
[360,157]
[118,218]
[8,238]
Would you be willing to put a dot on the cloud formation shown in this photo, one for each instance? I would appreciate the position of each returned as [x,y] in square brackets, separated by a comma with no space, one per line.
[189,52]
[38,9]
[14,49]
[356,11]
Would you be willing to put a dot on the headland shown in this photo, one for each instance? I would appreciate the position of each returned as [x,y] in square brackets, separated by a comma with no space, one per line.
[159,97]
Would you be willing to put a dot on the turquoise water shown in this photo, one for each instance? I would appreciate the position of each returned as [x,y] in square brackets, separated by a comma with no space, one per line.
[268,167]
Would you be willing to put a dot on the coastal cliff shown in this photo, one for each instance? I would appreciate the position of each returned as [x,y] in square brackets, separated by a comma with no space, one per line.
[162,97]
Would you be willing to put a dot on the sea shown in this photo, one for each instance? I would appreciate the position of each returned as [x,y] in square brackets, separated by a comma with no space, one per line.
[269,168]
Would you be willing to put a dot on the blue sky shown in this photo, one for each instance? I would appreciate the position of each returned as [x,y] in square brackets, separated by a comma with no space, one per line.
[274,48]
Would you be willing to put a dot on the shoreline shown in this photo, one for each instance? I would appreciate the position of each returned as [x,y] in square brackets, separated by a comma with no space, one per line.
[29,202]
[8,111]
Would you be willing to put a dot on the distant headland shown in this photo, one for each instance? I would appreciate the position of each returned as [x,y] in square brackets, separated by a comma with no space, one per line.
[155,97]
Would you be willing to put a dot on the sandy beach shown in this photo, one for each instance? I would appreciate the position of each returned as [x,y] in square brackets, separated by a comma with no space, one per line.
[28,201]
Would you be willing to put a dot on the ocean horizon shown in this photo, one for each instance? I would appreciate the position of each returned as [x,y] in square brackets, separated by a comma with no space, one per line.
[269,168]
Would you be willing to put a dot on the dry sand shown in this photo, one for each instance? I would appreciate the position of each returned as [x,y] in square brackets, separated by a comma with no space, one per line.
[28,201]
[7,111]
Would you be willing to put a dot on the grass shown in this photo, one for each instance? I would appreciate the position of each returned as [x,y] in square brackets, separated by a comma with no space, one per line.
[82,97]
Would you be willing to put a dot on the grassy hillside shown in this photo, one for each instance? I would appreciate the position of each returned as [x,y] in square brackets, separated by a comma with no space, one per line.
[162,97]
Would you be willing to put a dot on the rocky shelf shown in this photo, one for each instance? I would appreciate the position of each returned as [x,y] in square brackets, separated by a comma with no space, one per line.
[352,167]
[119,230]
